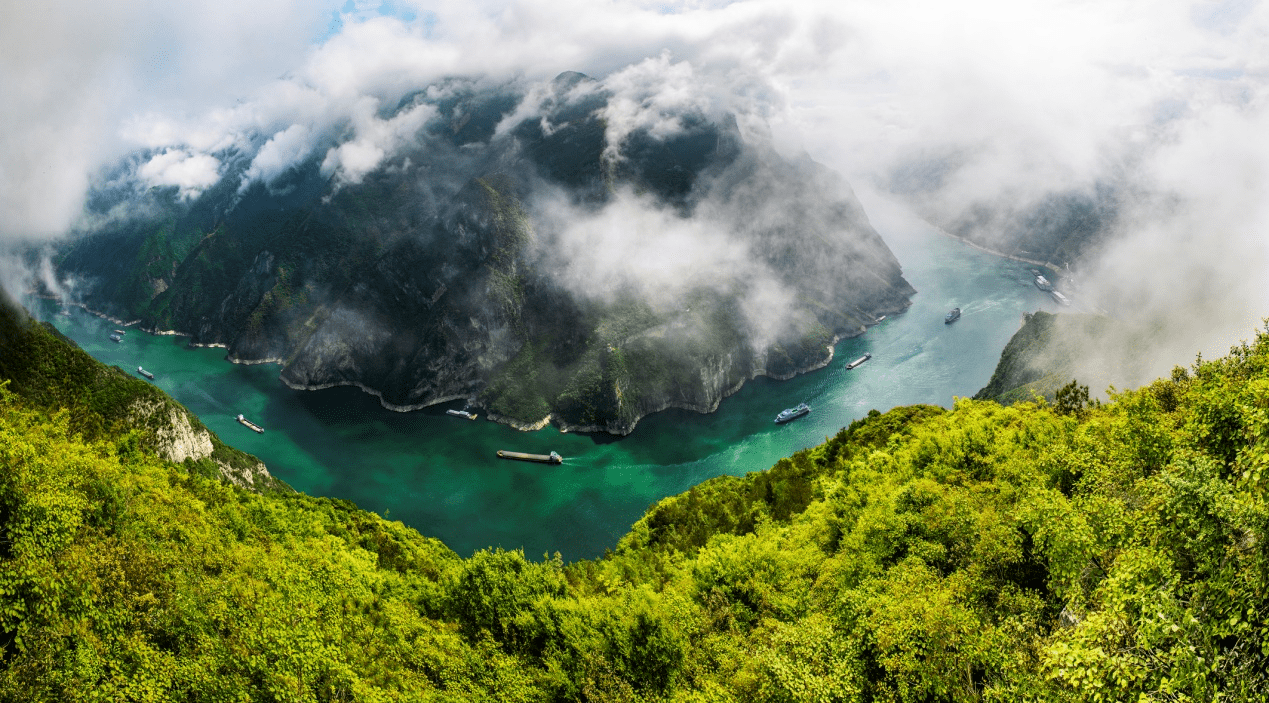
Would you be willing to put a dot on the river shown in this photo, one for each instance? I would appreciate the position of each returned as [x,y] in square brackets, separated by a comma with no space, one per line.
[438,473]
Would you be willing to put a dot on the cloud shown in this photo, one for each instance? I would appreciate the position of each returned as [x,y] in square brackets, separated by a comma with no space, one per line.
[633,245]
[191,173]
[1031,98]
[374,140]
[283,150]
[72,72]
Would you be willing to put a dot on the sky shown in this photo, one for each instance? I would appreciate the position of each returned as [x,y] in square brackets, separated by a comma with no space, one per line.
[1034,97]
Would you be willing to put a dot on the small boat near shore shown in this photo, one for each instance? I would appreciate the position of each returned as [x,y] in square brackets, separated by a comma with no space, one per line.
[1043,283]
[461,413]
[250,425]
[147,374]
[858,361]
[952,316]
[792,413]
[116,338]
[121,332]
[551,458]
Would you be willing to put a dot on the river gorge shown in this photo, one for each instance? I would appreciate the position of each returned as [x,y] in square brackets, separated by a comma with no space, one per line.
[439,474]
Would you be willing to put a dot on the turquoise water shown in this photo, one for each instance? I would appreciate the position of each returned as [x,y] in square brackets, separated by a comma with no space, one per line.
[439,474]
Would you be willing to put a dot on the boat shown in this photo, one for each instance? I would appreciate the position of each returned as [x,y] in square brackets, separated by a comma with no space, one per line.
[1060,298]
[145,373]
[952,316]
[879,319]
[121,332]
[116,338]
[792,413]
[858,361]
[1043,283]
[250,425]
[551,458]
[461,413]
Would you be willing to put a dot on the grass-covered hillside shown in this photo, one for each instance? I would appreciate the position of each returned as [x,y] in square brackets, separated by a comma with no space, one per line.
[1112,553]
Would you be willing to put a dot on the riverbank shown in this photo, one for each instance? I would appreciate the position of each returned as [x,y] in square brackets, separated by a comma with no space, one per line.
[441,476]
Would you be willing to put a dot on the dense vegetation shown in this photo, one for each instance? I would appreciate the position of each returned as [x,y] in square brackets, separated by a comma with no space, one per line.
[1031,552]
[52,372]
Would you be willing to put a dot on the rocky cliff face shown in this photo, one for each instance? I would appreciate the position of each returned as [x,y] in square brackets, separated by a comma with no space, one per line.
[176,435]
[480,264]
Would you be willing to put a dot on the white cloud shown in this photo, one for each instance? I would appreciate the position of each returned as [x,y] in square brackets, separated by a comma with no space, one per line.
[374,140]
[72,72]
[1036,96]
[283,150]
[192,173]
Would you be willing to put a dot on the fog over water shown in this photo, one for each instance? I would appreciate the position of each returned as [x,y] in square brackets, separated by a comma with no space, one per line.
[1007,103]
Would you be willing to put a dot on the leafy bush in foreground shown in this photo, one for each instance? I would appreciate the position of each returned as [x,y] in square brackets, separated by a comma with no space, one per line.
[982,553]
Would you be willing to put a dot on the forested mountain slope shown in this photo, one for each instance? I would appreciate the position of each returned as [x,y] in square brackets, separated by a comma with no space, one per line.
[983,552]
[541,264]
[105,402]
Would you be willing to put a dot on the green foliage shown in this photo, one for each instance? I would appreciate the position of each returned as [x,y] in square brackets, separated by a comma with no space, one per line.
[1049,553]
[49,371]
[1071,399]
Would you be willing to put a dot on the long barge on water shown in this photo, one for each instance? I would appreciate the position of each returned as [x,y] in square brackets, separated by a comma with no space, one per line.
[858,361]
[551,458]
[250,425]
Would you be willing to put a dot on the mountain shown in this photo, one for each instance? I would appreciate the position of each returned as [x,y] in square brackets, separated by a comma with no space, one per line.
[1059,228]
[1114,552]
[44,368]
[540,266]
[1049,351]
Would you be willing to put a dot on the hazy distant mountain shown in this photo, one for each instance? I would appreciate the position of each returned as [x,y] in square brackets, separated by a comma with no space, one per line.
[1057,228]
[506,252]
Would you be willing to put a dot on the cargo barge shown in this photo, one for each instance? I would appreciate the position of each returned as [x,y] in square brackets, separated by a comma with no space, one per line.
[551,458]
[461,413]
[250,425]
[858,361]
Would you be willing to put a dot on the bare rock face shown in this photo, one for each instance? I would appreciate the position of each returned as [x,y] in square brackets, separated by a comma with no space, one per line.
[471,265]
[251,478]
[177,438]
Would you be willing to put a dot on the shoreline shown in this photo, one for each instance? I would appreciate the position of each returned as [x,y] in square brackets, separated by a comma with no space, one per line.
[728,392]
[1013,257]
[520,425]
